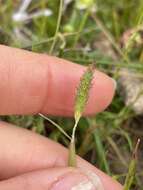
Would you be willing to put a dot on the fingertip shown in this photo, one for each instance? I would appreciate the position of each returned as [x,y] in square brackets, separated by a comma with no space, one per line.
[101,93]
[64,79]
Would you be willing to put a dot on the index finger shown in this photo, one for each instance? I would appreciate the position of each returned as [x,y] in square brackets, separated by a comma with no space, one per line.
[33,83]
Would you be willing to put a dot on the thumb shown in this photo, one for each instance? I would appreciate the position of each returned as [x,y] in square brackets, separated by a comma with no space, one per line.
[52,179]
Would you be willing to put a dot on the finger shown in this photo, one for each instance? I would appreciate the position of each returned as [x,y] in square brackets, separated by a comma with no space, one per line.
[33,83]
[49,179]
[23,151]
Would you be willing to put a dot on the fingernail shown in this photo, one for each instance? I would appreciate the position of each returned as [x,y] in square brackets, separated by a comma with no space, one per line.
[114,83]
[73,181]
[95,179]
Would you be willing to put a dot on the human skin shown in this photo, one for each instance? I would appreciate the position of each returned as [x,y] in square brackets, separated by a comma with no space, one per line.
[33,83]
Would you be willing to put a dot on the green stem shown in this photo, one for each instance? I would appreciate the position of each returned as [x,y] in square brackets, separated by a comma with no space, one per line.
[56,125]
[117,151]
[74,130]
[57,28]
[110,38]
[82,24]
[72,155]
[72,149]
[132,169]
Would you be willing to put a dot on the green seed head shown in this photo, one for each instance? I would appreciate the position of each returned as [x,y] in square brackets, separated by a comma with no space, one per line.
[83,92]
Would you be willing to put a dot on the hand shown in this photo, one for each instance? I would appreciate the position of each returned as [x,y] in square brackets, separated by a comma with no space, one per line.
[33,83]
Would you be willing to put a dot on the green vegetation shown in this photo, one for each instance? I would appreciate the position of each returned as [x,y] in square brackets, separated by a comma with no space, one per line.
[87,34]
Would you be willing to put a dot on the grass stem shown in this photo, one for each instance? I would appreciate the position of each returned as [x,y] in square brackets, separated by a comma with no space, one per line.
[56,125]
[82,24]
[132,169]
[72,150]
[57,27]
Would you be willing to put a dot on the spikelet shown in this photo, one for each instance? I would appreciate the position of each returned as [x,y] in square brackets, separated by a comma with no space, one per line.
[83,92]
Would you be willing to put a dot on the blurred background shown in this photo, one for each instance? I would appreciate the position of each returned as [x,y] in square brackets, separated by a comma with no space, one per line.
[109,33]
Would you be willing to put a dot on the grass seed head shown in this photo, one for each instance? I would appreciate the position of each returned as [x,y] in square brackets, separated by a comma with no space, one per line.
[83,91]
